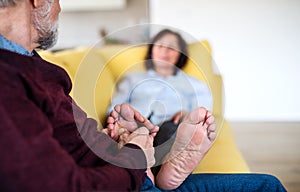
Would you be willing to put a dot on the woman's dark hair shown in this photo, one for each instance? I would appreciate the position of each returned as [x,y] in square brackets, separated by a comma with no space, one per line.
[182,60]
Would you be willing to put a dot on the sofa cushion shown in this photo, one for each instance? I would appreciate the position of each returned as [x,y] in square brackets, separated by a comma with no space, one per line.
[124,59]
[223,156]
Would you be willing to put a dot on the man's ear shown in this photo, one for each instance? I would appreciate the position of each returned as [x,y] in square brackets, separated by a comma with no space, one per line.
[36,3]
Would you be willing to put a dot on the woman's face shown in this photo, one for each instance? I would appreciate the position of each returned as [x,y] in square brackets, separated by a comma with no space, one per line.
[166,51]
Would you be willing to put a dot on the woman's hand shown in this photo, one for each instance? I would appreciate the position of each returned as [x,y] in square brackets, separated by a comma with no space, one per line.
[179,116]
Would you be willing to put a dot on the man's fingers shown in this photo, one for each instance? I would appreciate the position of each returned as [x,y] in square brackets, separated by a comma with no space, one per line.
[138,116]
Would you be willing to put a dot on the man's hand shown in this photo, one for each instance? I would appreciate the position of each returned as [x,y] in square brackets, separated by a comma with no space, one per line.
[125,116]
[141,138]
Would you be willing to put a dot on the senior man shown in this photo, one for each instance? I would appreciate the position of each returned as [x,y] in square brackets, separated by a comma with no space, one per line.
[47,141]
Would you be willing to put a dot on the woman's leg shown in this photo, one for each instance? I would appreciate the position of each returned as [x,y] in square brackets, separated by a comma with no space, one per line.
[231,182]
[224,182]
[163,142]
[149,186]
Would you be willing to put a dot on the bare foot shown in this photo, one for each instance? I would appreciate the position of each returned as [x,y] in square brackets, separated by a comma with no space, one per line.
[125,118]
[193,139]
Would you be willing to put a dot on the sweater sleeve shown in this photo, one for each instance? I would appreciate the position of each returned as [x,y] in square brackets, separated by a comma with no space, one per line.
[38,163]
[34,160]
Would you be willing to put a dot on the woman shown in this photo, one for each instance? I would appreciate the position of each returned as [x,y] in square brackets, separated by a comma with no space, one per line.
[164,93]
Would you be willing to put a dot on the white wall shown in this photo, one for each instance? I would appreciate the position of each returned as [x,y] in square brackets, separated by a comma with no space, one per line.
[256,49]
[81,28]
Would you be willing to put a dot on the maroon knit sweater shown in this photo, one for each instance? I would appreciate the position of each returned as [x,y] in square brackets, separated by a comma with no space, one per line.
[41,141]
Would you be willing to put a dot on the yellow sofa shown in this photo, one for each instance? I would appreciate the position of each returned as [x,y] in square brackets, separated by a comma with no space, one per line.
[94,72]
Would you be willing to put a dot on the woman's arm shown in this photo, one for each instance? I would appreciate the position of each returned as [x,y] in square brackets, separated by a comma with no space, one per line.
[203,95]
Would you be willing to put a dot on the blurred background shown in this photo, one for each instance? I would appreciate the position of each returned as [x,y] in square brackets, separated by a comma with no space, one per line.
[255,45]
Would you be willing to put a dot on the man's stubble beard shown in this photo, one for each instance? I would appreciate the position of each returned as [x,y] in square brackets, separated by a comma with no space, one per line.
[49,39]
[46,29]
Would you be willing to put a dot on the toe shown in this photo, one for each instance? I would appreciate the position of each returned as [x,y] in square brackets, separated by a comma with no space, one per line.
[117,108]
[110,126]
[210,120]
[114,114]
[125,111]
[197,115]
[212,128]
[110,120]
[212,136]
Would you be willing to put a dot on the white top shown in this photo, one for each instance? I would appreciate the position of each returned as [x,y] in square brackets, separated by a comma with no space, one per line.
[149,93]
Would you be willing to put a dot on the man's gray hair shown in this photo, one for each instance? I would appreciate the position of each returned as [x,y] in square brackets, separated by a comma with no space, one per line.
[5,3]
